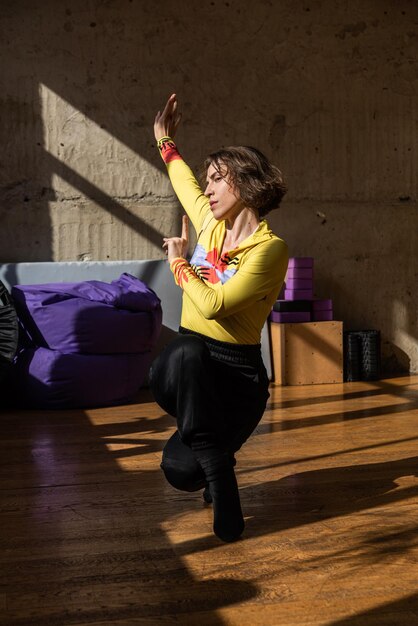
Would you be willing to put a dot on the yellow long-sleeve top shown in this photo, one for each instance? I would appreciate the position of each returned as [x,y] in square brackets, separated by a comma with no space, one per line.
[225,296]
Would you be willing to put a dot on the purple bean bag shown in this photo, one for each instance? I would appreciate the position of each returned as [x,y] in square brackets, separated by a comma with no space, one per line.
[49,379]
[90,317]
[85,344]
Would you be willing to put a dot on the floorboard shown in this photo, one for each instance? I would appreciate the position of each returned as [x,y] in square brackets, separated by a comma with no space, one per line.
[92,534]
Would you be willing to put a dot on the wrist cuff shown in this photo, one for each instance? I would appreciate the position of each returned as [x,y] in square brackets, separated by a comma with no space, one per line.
[162,140]
[168,150]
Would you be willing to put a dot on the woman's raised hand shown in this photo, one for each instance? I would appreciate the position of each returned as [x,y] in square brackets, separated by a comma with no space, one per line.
[177,246]
[166,123]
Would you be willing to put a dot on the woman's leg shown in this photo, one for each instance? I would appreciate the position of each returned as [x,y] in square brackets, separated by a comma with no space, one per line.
[184,383]
[246,406]
[244,392]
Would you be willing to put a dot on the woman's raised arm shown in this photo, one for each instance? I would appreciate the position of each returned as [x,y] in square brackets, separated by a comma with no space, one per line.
[185,185]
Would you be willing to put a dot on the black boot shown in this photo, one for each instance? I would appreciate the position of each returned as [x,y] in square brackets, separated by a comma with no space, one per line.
[217,465]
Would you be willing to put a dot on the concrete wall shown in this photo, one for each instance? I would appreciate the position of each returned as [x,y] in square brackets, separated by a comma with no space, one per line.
[326,88]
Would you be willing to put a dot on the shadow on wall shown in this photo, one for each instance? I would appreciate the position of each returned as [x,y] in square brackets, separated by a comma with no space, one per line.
[25,186]
[98,62]
[397,361]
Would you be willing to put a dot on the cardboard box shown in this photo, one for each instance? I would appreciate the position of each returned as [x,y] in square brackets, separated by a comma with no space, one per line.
[308,353]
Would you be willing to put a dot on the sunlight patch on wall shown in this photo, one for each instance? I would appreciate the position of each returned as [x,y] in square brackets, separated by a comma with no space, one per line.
[405,332]
[93,153]
[405,322]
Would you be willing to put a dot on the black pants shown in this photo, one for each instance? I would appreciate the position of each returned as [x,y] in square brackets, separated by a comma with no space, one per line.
[216,391]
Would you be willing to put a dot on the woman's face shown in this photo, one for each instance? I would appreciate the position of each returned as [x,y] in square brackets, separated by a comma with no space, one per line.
[224,199]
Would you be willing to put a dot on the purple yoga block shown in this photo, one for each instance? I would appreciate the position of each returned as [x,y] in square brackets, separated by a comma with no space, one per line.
[300,261]
[299,272]
[298,294]
[322,305]
[299,283]
[322,316]
[290,317]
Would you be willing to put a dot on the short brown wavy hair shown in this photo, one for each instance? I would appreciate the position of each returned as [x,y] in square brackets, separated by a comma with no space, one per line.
[259,183]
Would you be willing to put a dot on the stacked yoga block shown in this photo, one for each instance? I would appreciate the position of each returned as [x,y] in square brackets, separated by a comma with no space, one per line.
[296,302]
[84,344]
[306,343]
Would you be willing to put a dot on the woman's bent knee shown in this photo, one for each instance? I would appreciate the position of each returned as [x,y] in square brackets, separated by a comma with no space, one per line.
[180,477]
[180,467]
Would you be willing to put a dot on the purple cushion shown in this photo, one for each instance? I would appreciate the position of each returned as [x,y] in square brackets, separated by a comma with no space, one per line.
[91,317]
[52,380]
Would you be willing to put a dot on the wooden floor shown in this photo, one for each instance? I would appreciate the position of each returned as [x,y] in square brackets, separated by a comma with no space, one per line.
[92,534]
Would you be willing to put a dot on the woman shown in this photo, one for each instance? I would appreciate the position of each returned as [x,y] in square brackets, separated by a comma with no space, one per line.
[211,377]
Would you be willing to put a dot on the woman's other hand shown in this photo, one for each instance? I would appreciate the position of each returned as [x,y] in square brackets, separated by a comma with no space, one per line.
[166,123]
[176,247]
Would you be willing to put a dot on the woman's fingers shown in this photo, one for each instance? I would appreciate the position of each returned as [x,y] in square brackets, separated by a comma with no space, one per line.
[185,228]
[177,246]
[171,102]
[166,123]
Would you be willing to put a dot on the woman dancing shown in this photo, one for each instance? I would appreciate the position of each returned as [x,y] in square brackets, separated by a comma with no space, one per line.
[211,377]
